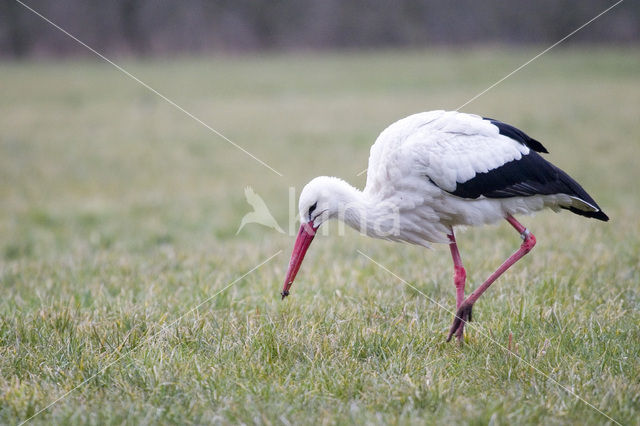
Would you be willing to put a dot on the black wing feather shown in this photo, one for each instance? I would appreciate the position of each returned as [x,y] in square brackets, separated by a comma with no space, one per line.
[527,176]
[517,135]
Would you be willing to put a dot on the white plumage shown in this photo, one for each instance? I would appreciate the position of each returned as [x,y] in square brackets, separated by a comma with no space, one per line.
[447,146]
[417,159]
[432,171]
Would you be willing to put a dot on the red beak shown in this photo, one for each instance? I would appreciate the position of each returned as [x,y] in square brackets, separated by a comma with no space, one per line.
[305,236]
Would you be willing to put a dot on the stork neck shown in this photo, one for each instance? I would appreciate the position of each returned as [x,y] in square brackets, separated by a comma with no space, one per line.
[359,211]
[353,206]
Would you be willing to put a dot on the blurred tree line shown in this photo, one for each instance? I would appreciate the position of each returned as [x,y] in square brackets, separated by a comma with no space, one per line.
[151,27]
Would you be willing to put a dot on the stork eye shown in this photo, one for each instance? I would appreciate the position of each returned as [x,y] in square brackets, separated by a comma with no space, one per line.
[313,207]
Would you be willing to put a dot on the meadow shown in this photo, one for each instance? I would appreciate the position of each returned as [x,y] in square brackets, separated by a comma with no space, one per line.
[126,291]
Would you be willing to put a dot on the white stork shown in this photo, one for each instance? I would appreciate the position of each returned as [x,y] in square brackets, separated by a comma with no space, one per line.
[433,171]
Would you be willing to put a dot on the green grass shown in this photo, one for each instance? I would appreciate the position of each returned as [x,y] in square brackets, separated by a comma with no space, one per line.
[119,213]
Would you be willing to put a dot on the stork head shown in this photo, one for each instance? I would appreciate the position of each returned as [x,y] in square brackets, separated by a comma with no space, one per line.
[320,200]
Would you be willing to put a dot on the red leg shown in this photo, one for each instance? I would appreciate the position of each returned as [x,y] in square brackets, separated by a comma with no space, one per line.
[464,310]
[459,274]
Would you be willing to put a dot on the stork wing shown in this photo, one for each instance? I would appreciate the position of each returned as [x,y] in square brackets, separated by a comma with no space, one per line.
[449,146]
[470,157]
[477,157]
[456,148]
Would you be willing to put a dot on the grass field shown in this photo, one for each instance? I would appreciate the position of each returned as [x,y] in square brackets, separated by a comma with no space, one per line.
[119,216]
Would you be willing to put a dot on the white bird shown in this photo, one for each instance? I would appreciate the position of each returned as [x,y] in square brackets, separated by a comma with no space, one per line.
[433,171]
[260,214]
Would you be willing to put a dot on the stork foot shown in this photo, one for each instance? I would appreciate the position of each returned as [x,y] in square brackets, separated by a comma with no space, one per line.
[462,316]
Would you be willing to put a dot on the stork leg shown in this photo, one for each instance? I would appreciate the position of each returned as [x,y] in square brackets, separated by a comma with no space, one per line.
[464,309]
[459,274]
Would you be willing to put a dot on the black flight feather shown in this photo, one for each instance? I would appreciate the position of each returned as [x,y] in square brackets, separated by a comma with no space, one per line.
[517,135]
[527,176]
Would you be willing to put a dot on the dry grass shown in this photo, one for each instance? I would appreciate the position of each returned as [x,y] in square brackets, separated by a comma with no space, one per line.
[119,215]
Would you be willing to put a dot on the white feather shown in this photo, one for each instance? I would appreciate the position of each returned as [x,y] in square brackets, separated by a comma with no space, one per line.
[448,148]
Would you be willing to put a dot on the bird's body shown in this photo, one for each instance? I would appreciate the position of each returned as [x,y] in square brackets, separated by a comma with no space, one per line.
[433,171]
